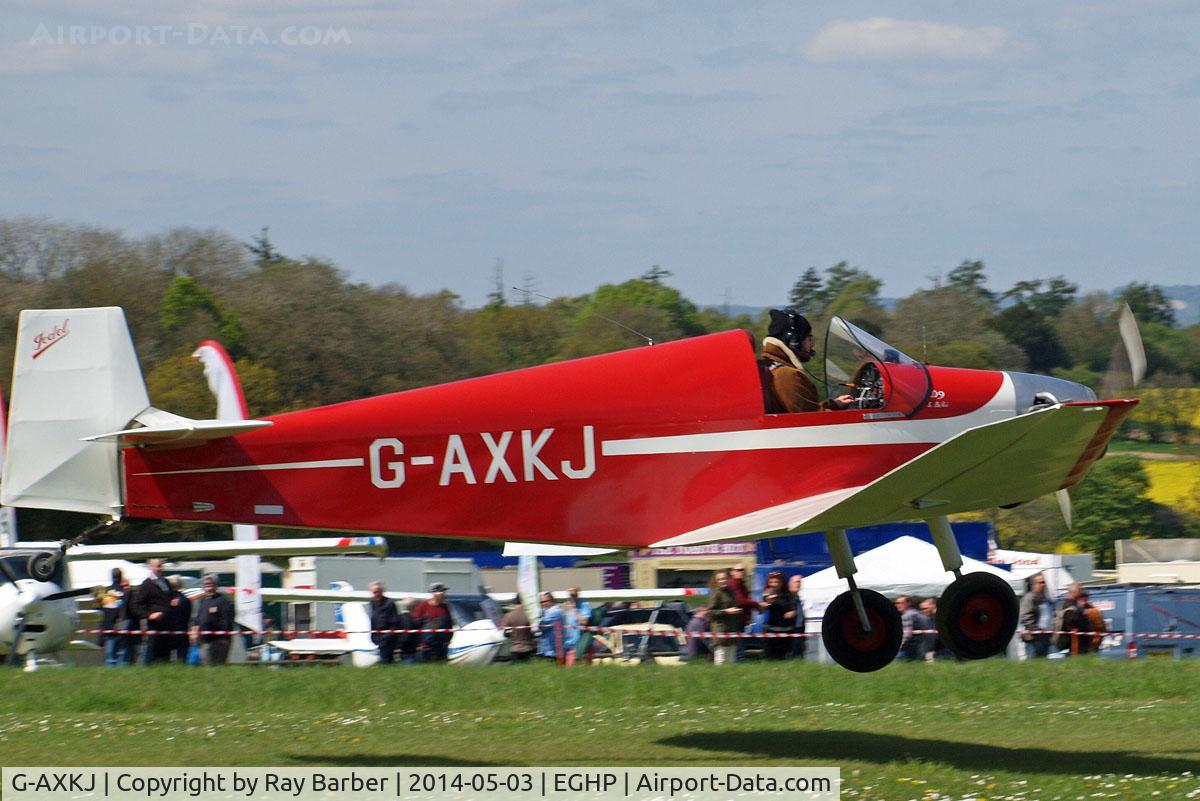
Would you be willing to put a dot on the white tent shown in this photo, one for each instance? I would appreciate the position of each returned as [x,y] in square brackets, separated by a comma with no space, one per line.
[904,566]
[1026,563]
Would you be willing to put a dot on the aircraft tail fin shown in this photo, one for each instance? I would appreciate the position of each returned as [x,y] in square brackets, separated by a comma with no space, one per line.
[75,374]
[354,620]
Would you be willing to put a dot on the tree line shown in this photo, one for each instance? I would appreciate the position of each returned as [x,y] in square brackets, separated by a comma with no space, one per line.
[302,333]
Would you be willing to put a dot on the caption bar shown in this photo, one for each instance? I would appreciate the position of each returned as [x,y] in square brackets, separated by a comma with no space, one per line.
[393,784]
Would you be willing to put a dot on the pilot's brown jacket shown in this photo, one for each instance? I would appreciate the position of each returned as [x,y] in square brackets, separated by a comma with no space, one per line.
[793,388]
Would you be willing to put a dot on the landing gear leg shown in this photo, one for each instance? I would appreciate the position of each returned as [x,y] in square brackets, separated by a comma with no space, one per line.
[943,538]
[861,628]
[977,614]
[843,561]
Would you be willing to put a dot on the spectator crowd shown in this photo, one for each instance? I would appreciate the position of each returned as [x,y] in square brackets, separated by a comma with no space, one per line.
[157,622]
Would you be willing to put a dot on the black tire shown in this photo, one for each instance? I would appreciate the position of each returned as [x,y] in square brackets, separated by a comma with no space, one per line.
[844,638]
[42,566]
[977,616]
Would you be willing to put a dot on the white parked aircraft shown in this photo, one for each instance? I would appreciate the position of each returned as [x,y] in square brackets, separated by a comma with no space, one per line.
[38,615]
[477,637]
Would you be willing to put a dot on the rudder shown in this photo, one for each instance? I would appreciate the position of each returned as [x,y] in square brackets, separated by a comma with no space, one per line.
[75,375]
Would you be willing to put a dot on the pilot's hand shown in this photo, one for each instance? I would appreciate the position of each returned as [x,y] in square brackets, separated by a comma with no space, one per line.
[155,616]
[843,401]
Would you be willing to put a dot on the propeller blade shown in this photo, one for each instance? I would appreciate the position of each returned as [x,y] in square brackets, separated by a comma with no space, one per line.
[1131,336]
[1064,505]
[6,569]
[1127,367]
[75,593]
[14,658]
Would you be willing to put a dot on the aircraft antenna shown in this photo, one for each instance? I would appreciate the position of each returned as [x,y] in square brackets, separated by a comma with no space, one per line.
[649,341]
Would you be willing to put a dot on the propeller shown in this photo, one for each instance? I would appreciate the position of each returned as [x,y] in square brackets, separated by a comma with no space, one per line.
[41,567]
[1126,369]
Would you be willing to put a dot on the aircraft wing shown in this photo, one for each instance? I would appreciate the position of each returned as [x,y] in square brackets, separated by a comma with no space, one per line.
[273,594]
[1010,461]
[544,549]
[350,596]
[304,546]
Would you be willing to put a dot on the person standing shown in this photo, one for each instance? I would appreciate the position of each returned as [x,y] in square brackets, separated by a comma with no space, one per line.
[799,643]
[214,613]
[1074,623]
[1037,615]
[697,646]
[152,603]
[741,595]
[433,616]
[1095,620]
[579,613]
[179,621]
[780,617]
[934,649]
[550,628]
[724,617]
[384,618]
[410,640]
[515,625]
[911,644]
[114,603]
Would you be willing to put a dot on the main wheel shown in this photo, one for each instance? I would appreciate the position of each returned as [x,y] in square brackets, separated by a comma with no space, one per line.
[41,566]
[849,645]
[977,616]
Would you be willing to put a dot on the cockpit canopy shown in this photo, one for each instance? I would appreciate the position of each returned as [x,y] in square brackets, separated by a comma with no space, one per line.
[877,375]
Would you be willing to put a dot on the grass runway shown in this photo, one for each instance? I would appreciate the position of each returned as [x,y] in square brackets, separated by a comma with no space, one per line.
[1080,729]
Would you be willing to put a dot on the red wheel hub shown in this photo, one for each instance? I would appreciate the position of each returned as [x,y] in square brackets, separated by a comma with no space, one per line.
[981,616]
[856,638]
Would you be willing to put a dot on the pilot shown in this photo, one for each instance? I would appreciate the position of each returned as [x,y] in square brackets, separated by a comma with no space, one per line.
[788,345]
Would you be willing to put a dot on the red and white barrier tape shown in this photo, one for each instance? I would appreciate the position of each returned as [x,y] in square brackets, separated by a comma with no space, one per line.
[706,635]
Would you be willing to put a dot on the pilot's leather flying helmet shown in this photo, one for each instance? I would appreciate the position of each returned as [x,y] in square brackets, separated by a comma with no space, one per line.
[789,327]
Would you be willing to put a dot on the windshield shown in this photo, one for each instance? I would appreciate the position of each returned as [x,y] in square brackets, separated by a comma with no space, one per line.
[464,611]
[877,375]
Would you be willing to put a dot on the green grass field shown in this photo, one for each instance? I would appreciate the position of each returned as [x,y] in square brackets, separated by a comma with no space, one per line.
[1079,729]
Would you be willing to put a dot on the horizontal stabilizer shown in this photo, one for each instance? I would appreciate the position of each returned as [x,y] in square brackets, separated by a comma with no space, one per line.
[163,428]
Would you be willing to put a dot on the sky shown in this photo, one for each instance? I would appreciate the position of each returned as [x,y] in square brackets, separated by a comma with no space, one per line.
[734,144]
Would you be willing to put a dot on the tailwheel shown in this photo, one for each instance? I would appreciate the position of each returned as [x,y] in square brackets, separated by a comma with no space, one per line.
[850,646]
[977,616]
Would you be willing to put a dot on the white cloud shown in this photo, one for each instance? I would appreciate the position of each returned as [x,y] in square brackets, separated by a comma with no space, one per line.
[878,39]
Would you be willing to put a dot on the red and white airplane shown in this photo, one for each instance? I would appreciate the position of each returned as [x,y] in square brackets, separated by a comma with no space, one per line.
[657,446]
